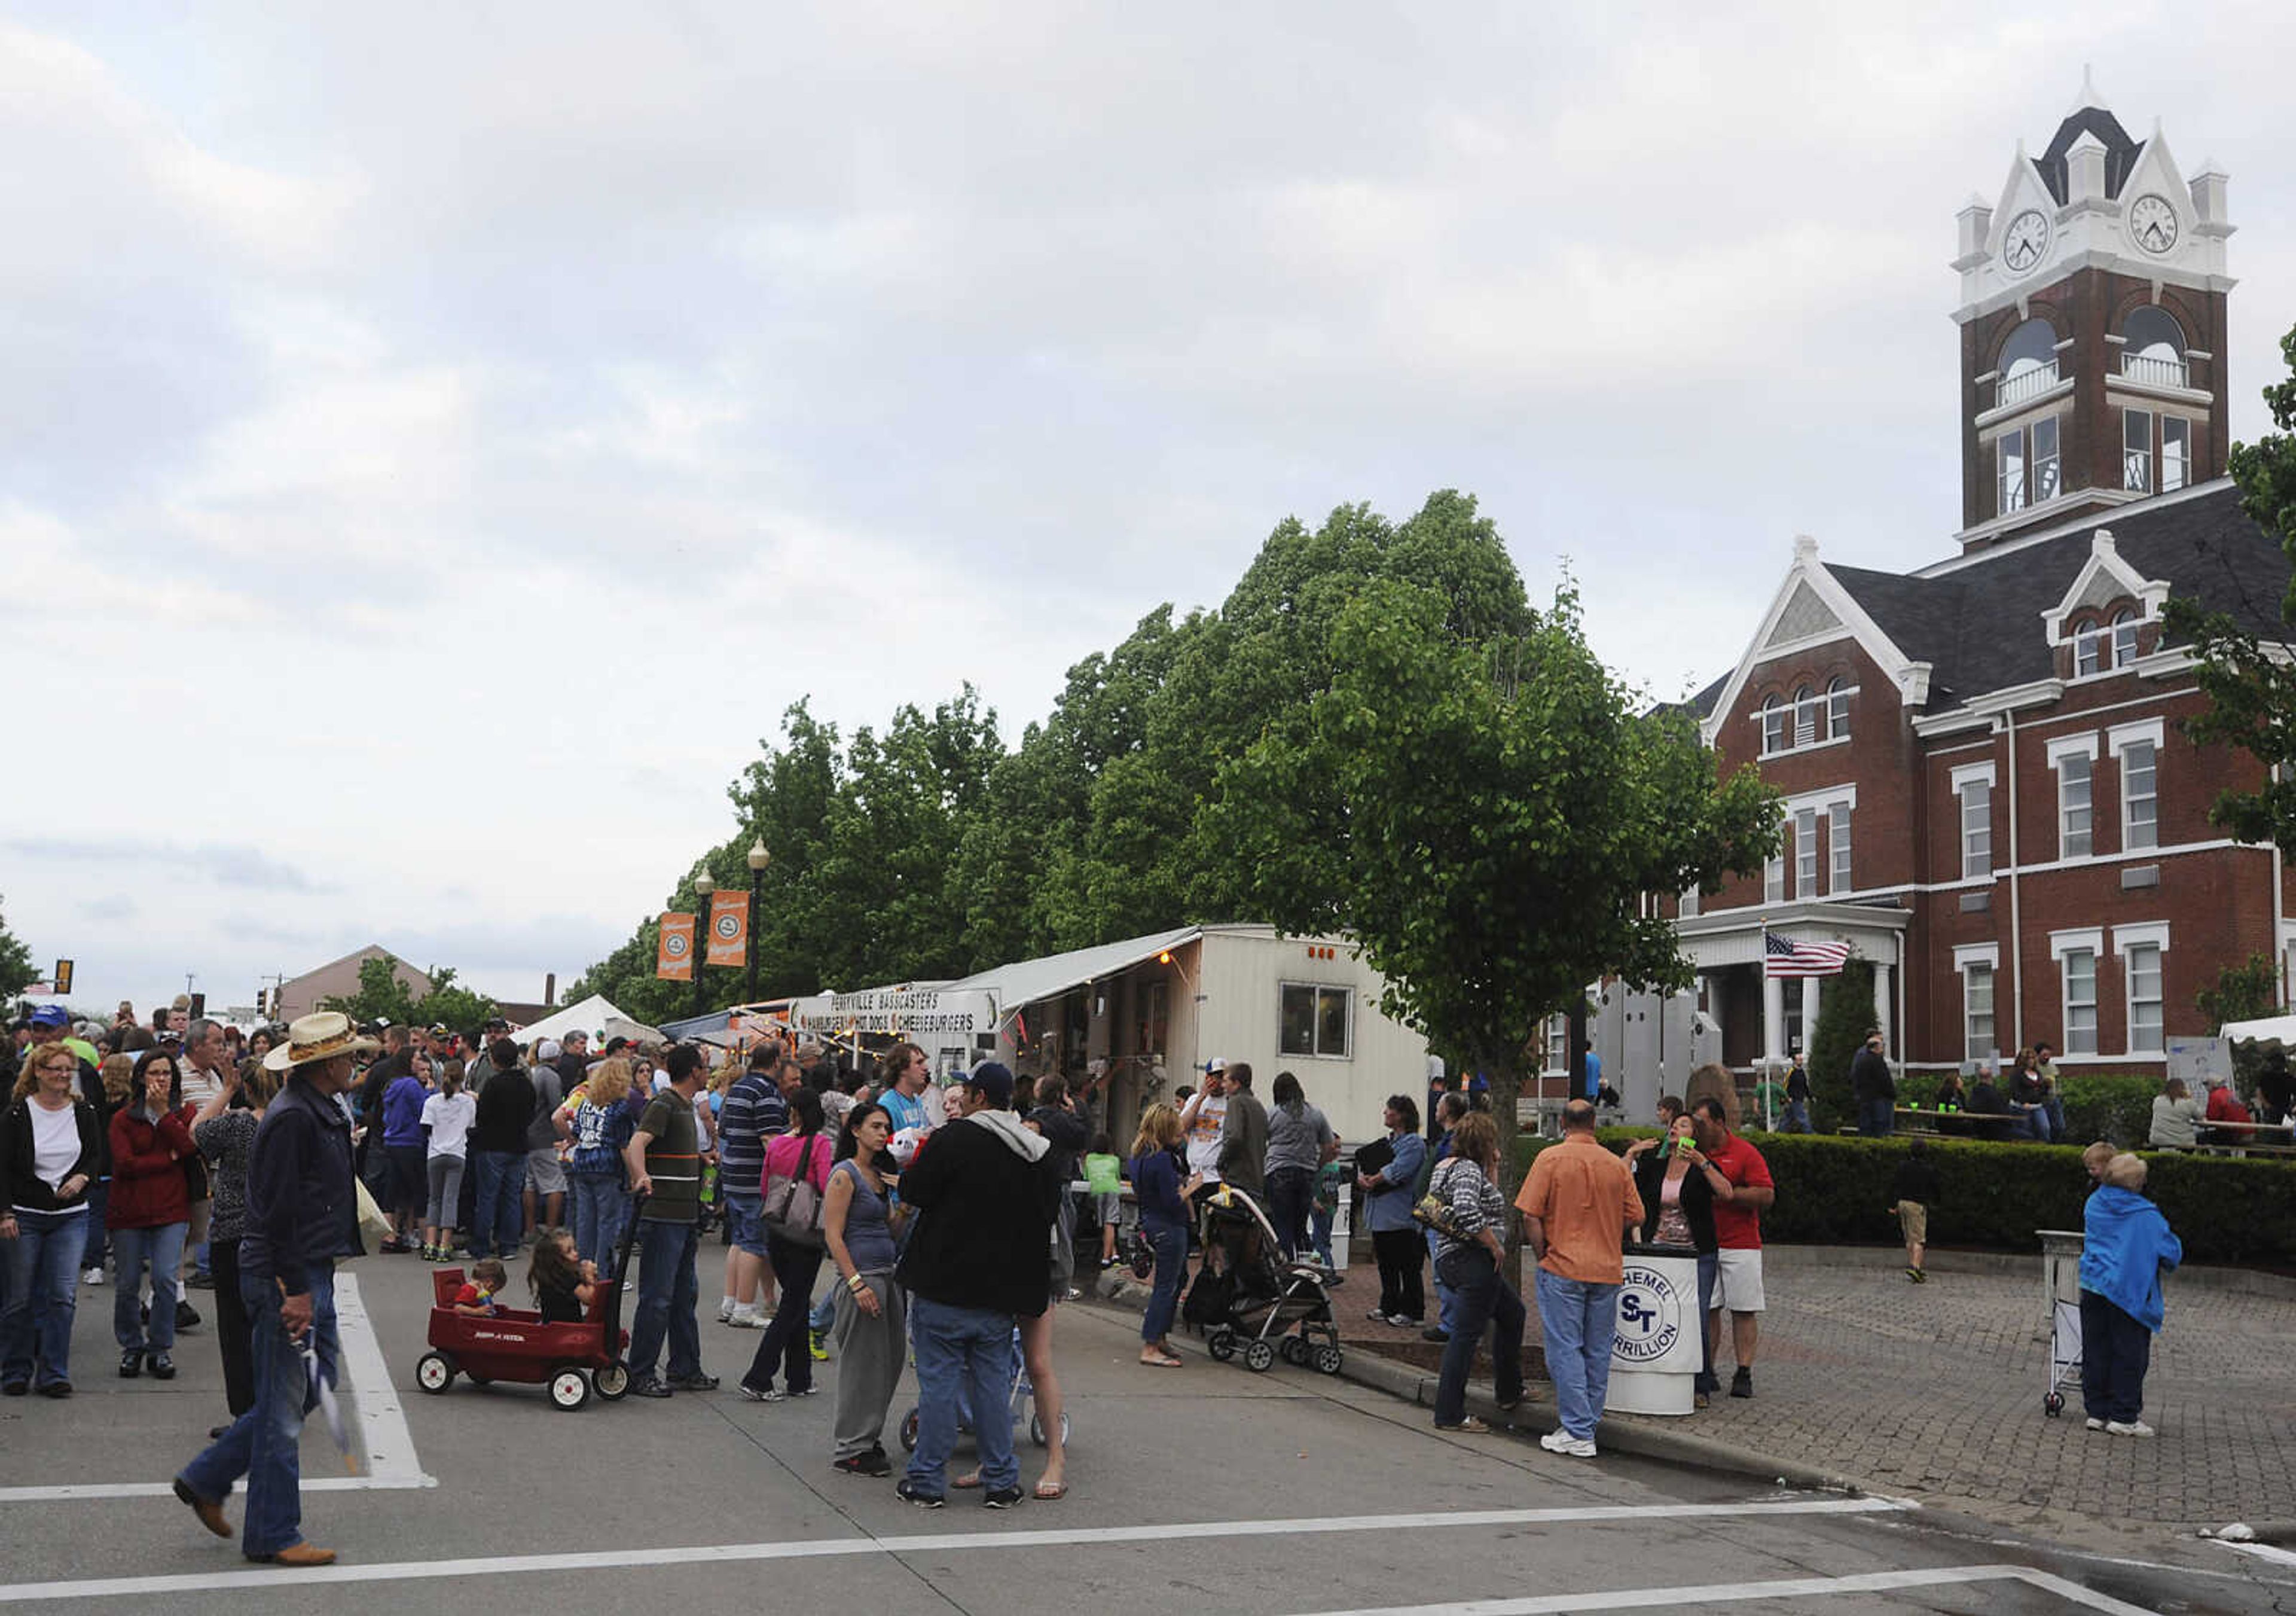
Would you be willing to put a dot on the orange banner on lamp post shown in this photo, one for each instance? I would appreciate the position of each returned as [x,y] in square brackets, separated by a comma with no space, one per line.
[673,953]
[729,929]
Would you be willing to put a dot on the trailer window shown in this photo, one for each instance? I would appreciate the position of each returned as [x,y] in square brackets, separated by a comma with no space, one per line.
[1315,1021]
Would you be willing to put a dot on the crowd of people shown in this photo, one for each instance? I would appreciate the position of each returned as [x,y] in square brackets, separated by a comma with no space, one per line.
[184,1154]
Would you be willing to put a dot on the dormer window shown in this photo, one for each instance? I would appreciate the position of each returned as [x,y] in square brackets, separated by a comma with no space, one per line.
[1805,718]
[1808,717]
[2102,647]
[1837,708]
[1774,727]
[2152,347]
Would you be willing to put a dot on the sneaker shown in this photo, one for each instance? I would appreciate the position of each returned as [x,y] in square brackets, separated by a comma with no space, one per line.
[1921,1277]
[1742,1384]
[205,1281]
[1404,1321]
[1559,1441]
[2095,1423]
[93,1276]
[696,1381]
[769,1394]
[726,1312]
[872,1463]
[187,1316]
[14,1388]
[648,1385]
[2129,1428]
[1377,1315]
[1002,1498]
[63,1389]
[902,1490]
[131,1363]
[1469,1427]
[818,1343]
[1435,1332]
[745,1318]
[1914,1275]
[163,1368]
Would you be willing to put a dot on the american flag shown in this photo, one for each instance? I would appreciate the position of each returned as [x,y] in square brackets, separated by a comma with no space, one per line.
[1784,956]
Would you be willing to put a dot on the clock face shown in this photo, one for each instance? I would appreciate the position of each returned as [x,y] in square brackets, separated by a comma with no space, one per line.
[2153,223]
[2027,239]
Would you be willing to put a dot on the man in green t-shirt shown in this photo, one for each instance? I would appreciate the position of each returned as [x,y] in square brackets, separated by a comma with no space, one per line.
[664,1156]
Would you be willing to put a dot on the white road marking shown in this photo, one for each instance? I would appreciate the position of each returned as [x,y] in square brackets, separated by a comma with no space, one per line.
[1792,1587]
[2263,1551]
[390,1461]
[636,1558]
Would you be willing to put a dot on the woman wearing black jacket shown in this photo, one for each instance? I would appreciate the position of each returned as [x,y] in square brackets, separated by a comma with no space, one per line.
[51,1152]
[1678,1208]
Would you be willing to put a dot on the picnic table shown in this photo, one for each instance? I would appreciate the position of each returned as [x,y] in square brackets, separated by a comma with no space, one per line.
[2246,1138]
[1957,1124]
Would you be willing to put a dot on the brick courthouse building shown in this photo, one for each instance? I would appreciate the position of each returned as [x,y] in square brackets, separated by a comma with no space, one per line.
[1987,792]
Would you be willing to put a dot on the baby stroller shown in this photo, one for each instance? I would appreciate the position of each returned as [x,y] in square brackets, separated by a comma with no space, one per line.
[1023,1391]
[1249,1295]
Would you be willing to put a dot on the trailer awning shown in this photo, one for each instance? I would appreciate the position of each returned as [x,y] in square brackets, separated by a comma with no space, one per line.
[1026,982]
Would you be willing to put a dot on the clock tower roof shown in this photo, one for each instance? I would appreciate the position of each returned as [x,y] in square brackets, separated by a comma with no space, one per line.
[2098,123]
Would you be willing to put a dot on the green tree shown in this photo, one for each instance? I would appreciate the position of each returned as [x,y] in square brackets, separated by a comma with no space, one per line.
[383,997]
[1844,1015]
[2245,992]
[451,1005]
[2251,684]
[1486,817]
[17,971]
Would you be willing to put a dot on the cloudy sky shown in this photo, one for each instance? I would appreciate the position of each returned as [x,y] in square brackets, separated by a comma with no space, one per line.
[436,442]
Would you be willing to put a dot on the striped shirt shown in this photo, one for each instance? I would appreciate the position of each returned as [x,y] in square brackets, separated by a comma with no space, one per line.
[673,1158]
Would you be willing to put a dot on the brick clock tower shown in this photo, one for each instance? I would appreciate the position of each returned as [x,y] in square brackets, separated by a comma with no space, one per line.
[2091,329]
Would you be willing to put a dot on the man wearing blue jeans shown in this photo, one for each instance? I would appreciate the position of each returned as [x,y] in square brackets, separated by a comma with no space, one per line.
[664,1157]
[979,1257]
[1578,1203]
[303,1214]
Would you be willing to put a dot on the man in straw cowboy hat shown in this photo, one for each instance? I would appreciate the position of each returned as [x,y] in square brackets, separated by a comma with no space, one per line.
[302,1213]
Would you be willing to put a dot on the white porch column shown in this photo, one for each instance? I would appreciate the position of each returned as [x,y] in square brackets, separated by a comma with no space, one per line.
[1810,1003]
[1882,1003]
[1774,1017]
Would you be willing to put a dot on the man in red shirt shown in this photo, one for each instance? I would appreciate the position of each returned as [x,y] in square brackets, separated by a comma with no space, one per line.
[1740,1178]
[2224,1105]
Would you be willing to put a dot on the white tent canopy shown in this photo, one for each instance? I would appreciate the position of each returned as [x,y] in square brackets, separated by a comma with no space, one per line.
[594,1015]
[2280,1027]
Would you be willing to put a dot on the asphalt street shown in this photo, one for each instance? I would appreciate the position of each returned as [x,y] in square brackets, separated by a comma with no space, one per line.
[1203,1489]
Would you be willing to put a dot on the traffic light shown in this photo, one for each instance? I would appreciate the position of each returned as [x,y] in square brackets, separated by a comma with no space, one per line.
[63,978]
[263,1001]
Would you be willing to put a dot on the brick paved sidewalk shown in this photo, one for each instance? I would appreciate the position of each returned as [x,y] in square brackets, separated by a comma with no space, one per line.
[1934,1391]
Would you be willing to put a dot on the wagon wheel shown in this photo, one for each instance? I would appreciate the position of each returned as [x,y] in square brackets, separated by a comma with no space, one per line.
[1295,1349]
[434,1373]
[611,1382]
[1328,1359]
[570,1388]
[1221,1344]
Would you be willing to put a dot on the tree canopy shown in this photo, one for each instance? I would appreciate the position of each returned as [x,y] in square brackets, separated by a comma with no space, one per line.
[2252,683]
[383,997]
[17,971]
[1190,774]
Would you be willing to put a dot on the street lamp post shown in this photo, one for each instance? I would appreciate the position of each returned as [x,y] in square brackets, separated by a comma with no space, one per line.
[759,860]
[702,888]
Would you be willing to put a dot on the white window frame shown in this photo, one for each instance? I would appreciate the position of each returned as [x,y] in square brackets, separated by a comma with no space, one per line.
[1968,958]
[2124,625]
[2151,732]
[1773,879]
[1837,708]
[1805,853]
[2176,452]
[1964,777]
[1315,1051]
[2126,942]
[2136,463]
[1776,721]
[2009,463]
[2083,747]
[2043,468]
[2088,941]
[1838,848]
[1808,707]
[2092,652]
[1785,720]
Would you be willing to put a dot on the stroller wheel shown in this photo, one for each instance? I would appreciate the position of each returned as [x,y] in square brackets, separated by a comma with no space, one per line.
[1295,1351]
[1259,1356]
[433,1374]
[1221,1344]
[1327,1359]
[2053,1404]
[1037,1430]
[1144,1261]
[909,1432]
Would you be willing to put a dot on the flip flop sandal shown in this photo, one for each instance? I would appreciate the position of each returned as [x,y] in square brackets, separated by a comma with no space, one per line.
[1051,1492]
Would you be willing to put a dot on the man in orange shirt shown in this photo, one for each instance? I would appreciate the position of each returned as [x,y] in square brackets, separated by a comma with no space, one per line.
[1577,1205]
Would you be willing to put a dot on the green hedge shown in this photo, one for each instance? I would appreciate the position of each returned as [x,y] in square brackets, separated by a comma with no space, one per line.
[1835,1191]
[2116,1107]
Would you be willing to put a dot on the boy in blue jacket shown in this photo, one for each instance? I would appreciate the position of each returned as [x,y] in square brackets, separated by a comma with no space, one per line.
[2127,1250]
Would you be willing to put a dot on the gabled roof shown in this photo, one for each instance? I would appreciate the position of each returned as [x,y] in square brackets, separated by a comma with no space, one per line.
[2121,151]
[1978,619]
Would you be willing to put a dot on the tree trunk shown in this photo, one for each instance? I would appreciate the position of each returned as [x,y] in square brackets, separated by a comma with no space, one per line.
[1505,1087]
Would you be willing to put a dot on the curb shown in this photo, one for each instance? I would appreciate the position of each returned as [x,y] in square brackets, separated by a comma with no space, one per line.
[2280,1532]
[1620,1433]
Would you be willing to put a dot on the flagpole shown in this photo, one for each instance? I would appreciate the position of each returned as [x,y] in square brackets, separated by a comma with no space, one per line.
[1769,1081]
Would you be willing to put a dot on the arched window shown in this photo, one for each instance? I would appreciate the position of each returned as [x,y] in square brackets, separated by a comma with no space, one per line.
[2124,637]
[2152,347]
[2028,362]
[1774,727]
[1805,718]
[1837,708]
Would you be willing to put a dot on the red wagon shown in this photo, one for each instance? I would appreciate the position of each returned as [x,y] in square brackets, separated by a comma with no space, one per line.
[514,1345]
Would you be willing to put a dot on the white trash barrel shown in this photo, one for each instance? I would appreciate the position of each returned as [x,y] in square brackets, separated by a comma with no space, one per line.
[1655,1355]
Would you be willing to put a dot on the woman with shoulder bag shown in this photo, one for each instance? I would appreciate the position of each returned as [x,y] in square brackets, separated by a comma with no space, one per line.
[859,1220]
[1468,1255]
[50,1155]
[801,1155]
